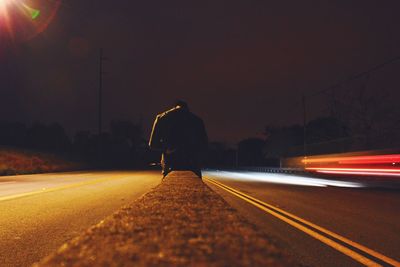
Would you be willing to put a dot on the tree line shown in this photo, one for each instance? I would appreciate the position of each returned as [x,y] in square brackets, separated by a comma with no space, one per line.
[323,135]
[123,145]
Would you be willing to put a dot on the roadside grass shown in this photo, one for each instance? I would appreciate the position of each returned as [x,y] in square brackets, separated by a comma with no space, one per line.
[18,161]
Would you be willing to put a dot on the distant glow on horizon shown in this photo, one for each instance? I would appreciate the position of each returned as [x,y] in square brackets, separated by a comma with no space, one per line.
[279,178]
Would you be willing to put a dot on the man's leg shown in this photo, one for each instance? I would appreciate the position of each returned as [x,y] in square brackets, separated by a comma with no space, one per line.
[165,167]
[196,163]
[165,172]
[198,173]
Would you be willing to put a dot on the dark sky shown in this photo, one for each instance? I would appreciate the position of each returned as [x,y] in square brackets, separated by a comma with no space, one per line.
[240,64]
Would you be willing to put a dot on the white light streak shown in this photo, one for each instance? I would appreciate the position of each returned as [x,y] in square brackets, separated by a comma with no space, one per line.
[280,178]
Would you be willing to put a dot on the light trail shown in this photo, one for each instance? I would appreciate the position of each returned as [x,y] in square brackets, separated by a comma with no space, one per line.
[279,178]
[58,188]
[368,257]
[376,159]
[361,173]
[356,169]
[366,165]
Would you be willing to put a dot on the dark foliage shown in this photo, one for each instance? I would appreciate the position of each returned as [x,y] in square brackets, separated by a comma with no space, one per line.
[50,138]
[220,155]
[123,146]
[279,140]
[325,129]
[251,152]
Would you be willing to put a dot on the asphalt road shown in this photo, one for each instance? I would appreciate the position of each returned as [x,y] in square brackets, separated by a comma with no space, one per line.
[41,212]
[353,210]
[38,213]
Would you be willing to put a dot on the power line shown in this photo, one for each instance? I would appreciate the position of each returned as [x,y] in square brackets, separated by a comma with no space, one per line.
[356,76]
[302,101]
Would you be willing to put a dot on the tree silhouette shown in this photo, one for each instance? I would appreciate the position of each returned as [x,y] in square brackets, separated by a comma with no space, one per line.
[251,152]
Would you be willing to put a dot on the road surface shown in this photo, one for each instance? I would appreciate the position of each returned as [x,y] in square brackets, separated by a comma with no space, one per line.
[365,221]
[41,212]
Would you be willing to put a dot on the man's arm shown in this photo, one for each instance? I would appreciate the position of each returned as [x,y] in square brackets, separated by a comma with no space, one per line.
[155,137]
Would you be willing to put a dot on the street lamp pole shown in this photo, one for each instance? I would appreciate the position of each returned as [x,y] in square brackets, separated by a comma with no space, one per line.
[304,125]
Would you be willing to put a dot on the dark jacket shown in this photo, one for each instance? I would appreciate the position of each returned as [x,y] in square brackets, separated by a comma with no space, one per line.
[181,136]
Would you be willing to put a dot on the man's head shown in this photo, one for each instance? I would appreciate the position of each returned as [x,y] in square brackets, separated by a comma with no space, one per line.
[181,104]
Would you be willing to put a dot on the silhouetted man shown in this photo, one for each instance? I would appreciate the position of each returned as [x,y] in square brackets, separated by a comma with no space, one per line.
[182,138]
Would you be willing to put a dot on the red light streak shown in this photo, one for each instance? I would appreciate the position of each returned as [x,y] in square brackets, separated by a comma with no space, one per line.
[371,165]
[357,159]
[354,169]
[360,173]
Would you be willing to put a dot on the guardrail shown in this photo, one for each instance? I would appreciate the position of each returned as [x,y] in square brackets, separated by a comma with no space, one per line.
[268,169]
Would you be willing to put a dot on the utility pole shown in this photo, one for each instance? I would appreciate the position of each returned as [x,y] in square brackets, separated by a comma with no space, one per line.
[101,60]
[100,104]
[303,98]
[100,91]
[237,157]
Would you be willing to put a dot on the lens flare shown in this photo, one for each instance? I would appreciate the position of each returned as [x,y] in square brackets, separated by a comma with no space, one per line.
[34,13]
[4,3]
[21,20]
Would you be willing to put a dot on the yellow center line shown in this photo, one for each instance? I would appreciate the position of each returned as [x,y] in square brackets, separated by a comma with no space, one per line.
[53,189]
[267,208]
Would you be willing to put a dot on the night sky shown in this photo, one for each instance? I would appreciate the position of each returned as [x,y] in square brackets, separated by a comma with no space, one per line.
[239,64]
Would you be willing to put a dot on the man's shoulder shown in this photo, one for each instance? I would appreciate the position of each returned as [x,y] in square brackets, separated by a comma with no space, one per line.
[177,113]
[166,113]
